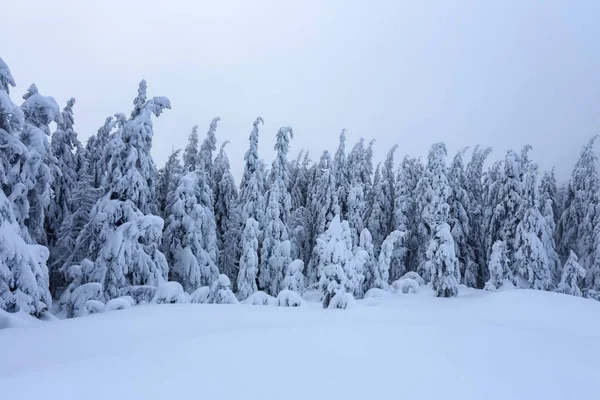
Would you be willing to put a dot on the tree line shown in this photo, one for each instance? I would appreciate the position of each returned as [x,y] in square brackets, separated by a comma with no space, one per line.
[100,220]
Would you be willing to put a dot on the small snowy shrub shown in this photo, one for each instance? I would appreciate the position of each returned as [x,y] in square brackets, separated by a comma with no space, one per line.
[341,300]
[170,293]
[405,286]
[85,292]
[294,279]
[220,293]
[120,303]
[260,299]
[415,276]
[572,275]
[94,306]
[376,293]
[200,295]
[287,298]
[140,293]
[592,294]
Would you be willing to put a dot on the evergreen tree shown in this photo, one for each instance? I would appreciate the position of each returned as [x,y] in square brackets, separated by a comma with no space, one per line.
[535,259]
[433,192]
[379,275]
[572,231]
[406,218]
[131,173]
[205,155]
[499,267]
[36,172]
[340,174]
[300,228]
[459,221]
[184,244]
[381,219]
[63,144]
[246,280]
[476,237]
[251,198]
[95,149]
[324,200]
[273,258]
[23,270]
[226,215]
[572,275]
[190,154]
[167,182]
[369,264]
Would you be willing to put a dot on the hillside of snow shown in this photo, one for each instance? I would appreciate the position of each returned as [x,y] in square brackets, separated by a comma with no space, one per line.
[516,344]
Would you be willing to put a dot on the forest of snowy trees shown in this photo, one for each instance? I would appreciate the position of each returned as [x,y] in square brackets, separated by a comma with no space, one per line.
[87,227]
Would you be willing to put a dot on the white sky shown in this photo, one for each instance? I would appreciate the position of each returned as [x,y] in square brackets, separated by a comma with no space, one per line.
[497,73]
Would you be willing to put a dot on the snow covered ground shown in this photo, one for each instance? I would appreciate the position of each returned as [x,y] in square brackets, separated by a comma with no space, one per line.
[516,344]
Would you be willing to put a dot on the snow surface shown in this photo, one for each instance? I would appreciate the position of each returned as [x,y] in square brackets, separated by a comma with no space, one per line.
[514,344]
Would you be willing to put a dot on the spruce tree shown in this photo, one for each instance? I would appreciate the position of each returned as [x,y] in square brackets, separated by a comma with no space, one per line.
[23,270]
[340,174]
[190,153]
[273,258]
[572,276]
[248,272]
[36,173]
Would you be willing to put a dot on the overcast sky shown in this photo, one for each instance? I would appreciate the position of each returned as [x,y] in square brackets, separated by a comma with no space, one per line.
[501,74]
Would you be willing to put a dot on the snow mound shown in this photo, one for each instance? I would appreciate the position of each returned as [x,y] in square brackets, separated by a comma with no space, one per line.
[16,320]
[405,286]
[120,303]
[220,293]
[341,300]
[170,293]
[415,276]
[261,299]
[94,306]
[85,292]
[376,293]
[140,293]
[288,298]
[200,295]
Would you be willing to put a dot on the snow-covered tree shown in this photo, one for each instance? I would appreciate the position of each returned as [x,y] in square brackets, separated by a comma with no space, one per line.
[23,270]
[340,174]
[406,218]
[184,244]
[300,181]
[273,256]
[572,275]
[442,262]
[167,182]
[220,291]
[300,228]
[209,144]
[379,275]
[246,279]
[338,268]
[190,153]
[294,279]
[251,199]
[128,253]
[381,218]
[63,144]
[535,260]
[95,150]
[324,201]
[572,231]
[459,221]
[433,192]
[476,237]
[499,267]
[36,173]
[369,262]
[226,214]
[131,173]
[505,202]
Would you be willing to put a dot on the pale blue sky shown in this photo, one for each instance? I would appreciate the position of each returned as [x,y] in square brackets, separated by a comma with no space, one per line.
[501,73]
